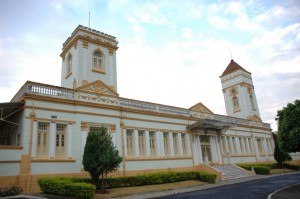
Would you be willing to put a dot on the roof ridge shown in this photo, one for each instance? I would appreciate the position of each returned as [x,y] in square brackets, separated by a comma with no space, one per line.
[232,67]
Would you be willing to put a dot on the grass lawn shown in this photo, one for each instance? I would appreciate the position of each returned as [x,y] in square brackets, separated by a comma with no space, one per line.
[118,192]
[274,171]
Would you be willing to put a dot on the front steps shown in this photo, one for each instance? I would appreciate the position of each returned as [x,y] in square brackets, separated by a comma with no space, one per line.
[231,172]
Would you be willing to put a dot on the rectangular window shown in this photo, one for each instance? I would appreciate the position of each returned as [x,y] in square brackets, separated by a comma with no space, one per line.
[242,146]
[183,141]
[224,144]
[95,129]
[270,146]
[166,145]
[142,144]
[175,144]
[251,146]
[229,145]
[152,143]
[234,143]
[42,141]
[260,146]
[60,150]
[129,140]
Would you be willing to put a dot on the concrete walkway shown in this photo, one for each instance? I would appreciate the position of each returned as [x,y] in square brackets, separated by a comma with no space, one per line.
[209,186]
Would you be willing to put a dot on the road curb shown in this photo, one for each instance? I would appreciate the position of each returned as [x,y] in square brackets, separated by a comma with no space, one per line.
[271,194]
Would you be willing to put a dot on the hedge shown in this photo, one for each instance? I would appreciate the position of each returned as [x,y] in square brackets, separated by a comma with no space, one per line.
[82,187]
[10,191]
[155,178]
[66,187]
[258,168]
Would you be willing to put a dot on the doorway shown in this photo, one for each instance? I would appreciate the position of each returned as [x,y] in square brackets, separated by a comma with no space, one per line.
[205,149]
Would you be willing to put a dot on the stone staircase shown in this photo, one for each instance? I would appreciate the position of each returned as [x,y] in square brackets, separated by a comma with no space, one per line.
[231,172]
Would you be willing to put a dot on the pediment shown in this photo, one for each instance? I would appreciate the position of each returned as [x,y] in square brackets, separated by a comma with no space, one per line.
[199,107]
[99,88]
[254,118]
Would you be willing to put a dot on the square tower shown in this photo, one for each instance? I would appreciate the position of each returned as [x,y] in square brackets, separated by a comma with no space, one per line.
[239,94]
[89,55]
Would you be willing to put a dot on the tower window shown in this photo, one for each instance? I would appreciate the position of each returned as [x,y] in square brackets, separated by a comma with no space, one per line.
[236,105]
[98,61]
[252,102]
[69,65]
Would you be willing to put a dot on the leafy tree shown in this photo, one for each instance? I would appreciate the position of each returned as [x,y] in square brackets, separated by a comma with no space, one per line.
[289,127]
[279,155]
[100,156]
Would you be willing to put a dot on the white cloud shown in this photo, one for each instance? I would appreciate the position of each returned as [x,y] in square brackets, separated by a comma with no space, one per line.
[218,22]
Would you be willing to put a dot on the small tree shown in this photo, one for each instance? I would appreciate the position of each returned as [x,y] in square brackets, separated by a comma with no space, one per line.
[100,156]
[279,155]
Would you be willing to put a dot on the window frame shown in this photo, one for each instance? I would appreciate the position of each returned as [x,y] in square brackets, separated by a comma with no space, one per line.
[98,62]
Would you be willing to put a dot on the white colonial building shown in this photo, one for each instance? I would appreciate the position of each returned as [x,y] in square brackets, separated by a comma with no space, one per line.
[43,129]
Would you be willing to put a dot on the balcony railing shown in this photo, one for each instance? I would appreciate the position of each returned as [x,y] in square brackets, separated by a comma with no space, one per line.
[59,92]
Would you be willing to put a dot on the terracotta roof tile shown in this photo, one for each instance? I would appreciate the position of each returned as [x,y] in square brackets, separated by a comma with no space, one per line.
[232,67]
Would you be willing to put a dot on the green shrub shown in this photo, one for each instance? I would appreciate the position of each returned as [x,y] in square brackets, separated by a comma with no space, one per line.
[291,166]
[207,177]
[155,178]
[10,191]
[262,170]
[66,187]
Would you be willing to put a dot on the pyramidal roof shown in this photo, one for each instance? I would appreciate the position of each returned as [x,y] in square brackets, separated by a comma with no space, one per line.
[232,67]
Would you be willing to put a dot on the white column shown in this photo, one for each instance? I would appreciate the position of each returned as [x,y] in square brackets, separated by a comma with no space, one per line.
[196,151]
[243,146]
[147,144]
[125,143]
[218,145]
[69,141]
[136,143]
[199,149]
[227,149]
[157,143]
[247,146]
[231,145]
[34,139]
[238,145]
[255,148]
[171,145]
[266,148]
[162,148]
[179,144]
[52,144]
[188,144]
[83,138]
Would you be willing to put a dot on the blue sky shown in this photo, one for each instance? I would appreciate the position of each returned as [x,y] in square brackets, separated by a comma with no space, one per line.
[170,52]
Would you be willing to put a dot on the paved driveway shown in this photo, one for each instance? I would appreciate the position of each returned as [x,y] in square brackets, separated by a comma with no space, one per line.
[256,189]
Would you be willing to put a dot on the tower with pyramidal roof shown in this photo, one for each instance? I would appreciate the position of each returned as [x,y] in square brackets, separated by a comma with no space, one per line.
[239,93]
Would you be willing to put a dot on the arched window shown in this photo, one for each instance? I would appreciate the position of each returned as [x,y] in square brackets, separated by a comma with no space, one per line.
[69,65]
[98,60]
[236,105]
[252,102]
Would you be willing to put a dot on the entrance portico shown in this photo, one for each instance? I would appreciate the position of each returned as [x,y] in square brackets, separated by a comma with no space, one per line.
[206,135]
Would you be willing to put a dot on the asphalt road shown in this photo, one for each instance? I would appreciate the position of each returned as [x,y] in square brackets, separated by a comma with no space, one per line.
[256,189]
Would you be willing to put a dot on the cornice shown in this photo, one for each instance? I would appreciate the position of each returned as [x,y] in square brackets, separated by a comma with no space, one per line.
[85,39]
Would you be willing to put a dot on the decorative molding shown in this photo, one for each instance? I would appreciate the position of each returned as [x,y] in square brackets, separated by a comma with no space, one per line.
[199,107]
[233,91]
[76,44]
[83,126]
[202,116]
[97,87]
[85,44]
[97,98]
[254,118]
[111,51]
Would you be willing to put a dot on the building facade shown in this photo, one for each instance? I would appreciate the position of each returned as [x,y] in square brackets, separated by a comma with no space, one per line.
[44,128]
